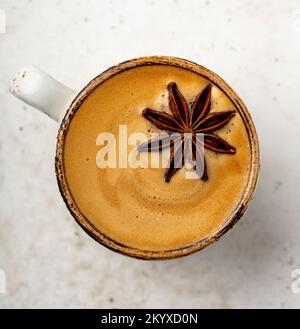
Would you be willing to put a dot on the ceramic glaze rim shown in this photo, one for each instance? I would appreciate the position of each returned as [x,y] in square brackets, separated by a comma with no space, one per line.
[253,170]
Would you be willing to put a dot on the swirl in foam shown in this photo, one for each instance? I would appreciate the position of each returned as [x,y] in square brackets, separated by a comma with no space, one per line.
[135,207]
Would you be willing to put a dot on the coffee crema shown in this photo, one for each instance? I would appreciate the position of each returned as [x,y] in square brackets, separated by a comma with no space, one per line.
[135,207]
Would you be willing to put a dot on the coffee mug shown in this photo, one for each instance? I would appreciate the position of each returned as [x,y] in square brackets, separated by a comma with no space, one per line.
[61,103]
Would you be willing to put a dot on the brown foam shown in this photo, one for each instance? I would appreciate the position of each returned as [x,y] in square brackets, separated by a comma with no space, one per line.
[135,207]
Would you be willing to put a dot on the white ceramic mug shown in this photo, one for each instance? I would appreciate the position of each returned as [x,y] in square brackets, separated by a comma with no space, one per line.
[41,91]
[59,102]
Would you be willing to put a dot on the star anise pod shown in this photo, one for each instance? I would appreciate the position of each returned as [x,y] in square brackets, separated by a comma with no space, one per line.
[194,120]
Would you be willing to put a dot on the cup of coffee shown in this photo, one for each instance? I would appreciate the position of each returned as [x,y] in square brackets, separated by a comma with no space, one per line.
[156,158]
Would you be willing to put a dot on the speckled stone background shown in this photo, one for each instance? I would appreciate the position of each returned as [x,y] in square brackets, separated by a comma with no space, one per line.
[48,260]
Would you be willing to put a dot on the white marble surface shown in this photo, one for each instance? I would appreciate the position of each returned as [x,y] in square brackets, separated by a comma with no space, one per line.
[49,261]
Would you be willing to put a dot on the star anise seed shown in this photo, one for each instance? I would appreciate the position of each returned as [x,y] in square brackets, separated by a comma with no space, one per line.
[194,120]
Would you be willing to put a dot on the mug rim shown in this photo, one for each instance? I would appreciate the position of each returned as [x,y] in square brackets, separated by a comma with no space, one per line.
[248,191]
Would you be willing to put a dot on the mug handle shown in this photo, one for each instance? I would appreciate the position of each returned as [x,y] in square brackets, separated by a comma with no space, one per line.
[40,90]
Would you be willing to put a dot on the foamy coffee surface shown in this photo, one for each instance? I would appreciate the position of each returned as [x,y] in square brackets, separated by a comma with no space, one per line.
[135,207]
